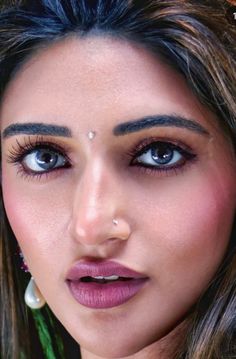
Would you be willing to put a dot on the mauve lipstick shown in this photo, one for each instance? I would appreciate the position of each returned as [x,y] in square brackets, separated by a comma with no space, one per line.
[103,293]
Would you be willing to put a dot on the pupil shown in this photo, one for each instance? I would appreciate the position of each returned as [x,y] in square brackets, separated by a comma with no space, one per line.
[46,159]
[162,153]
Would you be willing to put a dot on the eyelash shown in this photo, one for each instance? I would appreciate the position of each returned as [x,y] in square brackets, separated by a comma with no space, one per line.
[20,151]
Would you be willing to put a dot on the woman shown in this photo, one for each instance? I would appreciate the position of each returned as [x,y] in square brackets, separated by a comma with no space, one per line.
[118,179]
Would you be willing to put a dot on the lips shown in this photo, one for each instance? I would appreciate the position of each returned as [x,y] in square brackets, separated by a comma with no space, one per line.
[103,268]
[103,284]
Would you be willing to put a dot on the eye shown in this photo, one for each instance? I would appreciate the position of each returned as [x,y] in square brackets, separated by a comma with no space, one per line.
[162,156]
[43,160]
[38,157]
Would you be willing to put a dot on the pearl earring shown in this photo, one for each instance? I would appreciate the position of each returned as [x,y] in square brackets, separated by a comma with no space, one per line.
[33,296]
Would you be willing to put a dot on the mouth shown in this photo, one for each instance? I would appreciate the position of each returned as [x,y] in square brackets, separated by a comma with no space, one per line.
[103,284]
[104,280]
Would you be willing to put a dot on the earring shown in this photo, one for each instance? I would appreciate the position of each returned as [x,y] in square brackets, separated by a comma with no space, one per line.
[23,266]
[33,297]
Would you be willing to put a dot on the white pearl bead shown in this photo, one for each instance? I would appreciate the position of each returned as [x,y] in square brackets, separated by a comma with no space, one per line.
[33,296]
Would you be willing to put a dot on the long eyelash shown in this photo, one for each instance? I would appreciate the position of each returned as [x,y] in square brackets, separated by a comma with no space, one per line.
[147,144]
[19,151]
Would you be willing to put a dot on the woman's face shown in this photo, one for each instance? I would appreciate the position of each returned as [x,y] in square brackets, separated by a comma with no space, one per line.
[169,181]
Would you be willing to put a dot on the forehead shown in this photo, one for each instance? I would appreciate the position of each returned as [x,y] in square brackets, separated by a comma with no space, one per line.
[81,77]
[93,63]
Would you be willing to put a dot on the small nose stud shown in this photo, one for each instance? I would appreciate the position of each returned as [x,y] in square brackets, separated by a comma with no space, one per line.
[121,229]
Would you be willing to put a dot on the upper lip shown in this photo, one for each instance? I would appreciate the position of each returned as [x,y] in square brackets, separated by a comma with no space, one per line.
[104,268]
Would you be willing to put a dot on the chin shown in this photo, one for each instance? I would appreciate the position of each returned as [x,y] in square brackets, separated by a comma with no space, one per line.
[111,352]
[114,348]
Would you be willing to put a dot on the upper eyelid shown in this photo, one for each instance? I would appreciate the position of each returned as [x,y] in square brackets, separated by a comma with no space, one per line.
[150,141]
[23,141]
[149,146]
[42,141]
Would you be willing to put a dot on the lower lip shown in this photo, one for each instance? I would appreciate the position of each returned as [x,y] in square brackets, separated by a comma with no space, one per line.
[97,295]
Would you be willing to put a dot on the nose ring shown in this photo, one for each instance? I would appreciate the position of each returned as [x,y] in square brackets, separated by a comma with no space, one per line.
[115,222]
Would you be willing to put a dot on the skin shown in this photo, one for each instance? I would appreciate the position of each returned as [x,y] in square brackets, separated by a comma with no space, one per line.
[176,224]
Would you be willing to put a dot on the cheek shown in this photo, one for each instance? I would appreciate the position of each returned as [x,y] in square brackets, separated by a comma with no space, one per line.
[190,231]
[185,207]
[36,218]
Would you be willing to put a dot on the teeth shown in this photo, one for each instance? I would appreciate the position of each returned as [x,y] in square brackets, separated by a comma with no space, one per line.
[111,277]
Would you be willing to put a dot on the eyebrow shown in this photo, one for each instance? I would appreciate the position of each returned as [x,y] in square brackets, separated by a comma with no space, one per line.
[159,121]
[36,129]
[119,130]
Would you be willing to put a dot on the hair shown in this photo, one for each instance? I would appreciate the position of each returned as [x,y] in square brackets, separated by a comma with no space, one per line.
[195,38]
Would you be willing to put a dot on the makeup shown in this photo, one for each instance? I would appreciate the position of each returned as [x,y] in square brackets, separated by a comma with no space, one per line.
[164,120]
[30,128]
[102,285]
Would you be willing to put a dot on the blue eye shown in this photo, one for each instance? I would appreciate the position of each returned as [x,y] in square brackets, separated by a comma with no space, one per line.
[38,157]
[162,155]
[43,160]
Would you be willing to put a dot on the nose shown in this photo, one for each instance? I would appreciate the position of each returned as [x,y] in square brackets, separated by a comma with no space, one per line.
[98,211]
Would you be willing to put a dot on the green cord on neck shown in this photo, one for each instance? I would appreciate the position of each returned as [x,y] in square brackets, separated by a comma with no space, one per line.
[43,329]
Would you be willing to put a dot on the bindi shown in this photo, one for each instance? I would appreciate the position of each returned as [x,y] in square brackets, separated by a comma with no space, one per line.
[91,135]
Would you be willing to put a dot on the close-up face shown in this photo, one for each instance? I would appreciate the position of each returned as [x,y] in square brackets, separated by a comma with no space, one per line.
[156,196]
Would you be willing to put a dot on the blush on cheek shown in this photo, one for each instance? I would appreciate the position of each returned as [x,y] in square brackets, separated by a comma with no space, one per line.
[20,211]
[195,218]
[206,223]
[17,218]
[193,251]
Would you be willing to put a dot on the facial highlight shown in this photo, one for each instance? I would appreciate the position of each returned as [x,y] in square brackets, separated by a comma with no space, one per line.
[96,130]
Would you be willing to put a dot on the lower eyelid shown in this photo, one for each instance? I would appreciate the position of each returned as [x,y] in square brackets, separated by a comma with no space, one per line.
[162,171]
[39,176]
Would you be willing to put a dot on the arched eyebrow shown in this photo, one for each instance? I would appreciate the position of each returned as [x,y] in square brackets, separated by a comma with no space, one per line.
[32,128]
[119,130]
[159,121]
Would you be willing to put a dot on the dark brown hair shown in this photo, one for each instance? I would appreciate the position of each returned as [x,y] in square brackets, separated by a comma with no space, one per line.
[196,39]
